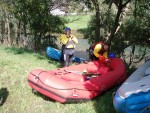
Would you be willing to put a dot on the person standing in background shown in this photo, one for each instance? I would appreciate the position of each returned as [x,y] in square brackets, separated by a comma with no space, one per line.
[68,42]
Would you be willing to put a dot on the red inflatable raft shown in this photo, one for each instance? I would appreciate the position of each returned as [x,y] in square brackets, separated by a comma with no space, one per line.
[68,85]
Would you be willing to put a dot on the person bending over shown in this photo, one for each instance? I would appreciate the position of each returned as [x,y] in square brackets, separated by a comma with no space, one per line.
[98,51]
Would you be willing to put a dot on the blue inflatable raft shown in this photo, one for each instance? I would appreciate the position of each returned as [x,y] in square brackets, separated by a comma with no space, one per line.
[133,96]
[56,54]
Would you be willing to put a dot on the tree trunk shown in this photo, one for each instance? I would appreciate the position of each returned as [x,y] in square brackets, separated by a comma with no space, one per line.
[115,24]
[107,27]
[97,27]
[18,33]
[8,32]
[2,31]
[135,8]
[37,43]
[25,35]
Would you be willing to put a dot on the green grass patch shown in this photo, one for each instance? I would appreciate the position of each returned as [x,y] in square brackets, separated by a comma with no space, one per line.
[17,97]
[77,22]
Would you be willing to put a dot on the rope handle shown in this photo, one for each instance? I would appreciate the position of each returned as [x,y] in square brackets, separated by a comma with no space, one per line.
[146,108]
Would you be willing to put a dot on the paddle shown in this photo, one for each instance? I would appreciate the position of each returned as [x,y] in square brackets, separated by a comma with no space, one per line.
[82,73]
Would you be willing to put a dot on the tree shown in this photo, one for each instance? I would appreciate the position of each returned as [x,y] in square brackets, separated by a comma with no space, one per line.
[120,6]
[97,28]
[134,33]
[37,19]
[5,14]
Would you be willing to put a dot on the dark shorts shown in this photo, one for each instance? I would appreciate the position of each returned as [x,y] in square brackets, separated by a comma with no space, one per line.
[69,51]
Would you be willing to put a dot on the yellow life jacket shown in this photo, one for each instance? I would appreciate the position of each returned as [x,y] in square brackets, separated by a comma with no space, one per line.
[63,39]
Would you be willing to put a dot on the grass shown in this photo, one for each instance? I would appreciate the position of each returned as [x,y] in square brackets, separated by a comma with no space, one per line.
[78,22]
[17,97]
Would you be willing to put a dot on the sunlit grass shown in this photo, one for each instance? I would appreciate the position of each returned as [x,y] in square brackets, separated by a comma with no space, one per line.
[78,21]
[15,64]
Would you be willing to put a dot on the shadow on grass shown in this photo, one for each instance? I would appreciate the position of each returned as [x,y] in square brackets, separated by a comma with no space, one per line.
[42,96]
[131,70]
[59,64]
[41,55]
[104,102]
[16,50]
[3,95]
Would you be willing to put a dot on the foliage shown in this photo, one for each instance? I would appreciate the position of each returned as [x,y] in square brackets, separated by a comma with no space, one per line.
[90,31]
[134,33]
[38,25]
[73,6]
[37,20]
[135,30]
[142,8]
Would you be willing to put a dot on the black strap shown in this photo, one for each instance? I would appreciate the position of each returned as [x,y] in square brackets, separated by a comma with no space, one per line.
[147,74]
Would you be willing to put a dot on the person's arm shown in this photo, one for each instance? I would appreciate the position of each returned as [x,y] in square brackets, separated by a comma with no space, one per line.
[105,54]
[75,40]
[97,48]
